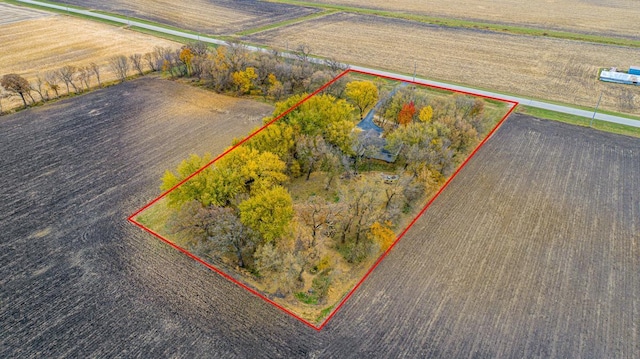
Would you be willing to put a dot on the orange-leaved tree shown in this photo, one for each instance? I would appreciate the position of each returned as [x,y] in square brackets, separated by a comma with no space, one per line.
[405,116]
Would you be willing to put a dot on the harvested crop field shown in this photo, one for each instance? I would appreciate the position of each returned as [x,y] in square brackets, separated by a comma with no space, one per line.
[10,14]
[51,42]
[33,47]
[531,251]
[220,17]
[546,68]
[610,17]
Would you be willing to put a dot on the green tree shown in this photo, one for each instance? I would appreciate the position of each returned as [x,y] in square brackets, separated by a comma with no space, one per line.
[244,79]
[268,213]
[238,172]
[426,114]
[392,107]
[275,89]
[255,170]
[323,115]
[278,139]
[363,94]
[197,188]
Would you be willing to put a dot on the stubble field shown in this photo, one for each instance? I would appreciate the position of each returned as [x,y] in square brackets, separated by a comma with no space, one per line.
[532,251]
[545,68]
[42,42]
[220,17]
[609,18]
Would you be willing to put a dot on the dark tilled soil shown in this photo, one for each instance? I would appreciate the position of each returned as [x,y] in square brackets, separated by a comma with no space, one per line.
[531,252]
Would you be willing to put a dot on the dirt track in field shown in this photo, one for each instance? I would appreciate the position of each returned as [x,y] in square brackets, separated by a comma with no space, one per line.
[553,69]
[219,17]
[531,251]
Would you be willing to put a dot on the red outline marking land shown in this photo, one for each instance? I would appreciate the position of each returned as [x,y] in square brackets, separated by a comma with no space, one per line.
[383,255]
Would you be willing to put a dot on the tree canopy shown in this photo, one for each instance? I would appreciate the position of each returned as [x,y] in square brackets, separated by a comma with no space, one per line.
[363,94]
[194,189]
[324,115]
[240,171]
[269,213]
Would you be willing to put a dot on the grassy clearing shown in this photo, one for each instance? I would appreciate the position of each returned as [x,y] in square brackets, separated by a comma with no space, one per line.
[467,24]
[579,121]
[156,216]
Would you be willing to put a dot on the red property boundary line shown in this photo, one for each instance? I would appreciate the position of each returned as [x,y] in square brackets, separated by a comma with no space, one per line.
[382,256]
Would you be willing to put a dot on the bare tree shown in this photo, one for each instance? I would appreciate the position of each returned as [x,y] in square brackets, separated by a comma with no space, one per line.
[335,65]
[237,56]
[316,213]
[303,52]
[358,210]
[151,61]
[136,61]
[84,76]
[67,74]
[51,79]
[199,48]
[96,71]
[217,229]
[626,100]
[155,59]
[38,87]
[16,84]
[120,66]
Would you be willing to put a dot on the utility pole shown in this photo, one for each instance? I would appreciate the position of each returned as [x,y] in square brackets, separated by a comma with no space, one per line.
[415,67]
[596,109]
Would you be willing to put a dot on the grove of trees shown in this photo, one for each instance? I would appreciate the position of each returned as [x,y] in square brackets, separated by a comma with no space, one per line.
[303,205]
[230,69]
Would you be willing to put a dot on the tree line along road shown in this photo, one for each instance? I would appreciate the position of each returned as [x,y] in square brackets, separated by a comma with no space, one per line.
[524,101]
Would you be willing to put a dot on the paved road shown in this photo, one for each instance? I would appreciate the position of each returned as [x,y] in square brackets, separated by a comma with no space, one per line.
[521,100]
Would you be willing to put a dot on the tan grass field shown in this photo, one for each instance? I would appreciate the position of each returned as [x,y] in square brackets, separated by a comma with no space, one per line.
[609,17]
[545,68]
[37,45]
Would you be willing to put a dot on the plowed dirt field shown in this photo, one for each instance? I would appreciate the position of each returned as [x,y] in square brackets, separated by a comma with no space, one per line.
[218,17]
[532,251]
